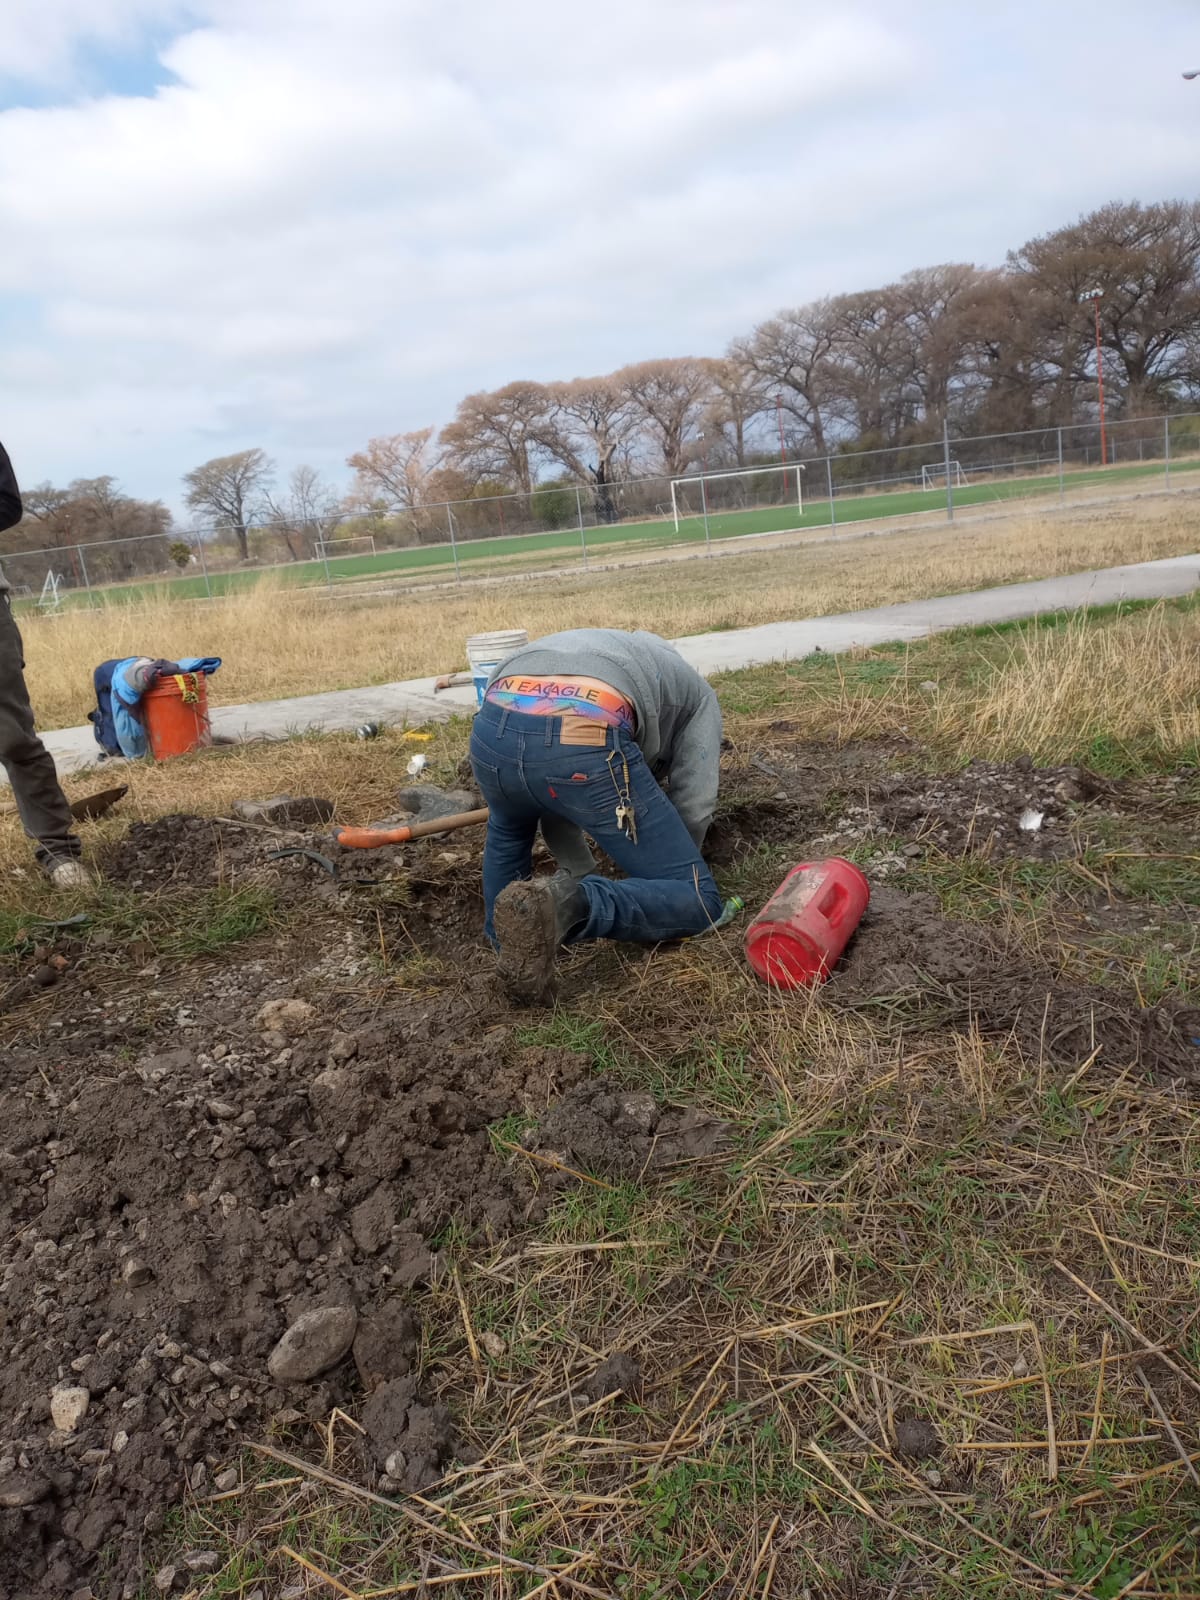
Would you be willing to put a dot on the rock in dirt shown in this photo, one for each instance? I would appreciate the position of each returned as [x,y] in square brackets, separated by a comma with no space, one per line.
[315,1342]
[202,1561]
[135,1274]
[68,1407]
[427,801]
[342,1047]
[285,811]
[290,1017]
[19,1489]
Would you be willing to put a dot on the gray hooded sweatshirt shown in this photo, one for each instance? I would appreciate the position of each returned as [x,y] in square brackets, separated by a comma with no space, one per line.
[678,719]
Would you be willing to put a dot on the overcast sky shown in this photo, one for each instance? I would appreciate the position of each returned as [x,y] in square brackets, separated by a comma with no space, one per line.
[298,223]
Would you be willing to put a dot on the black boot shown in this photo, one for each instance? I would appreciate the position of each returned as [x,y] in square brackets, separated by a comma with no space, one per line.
[532,918]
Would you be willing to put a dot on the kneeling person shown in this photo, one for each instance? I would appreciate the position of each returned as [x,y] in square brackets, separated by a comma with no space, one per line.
[574,732]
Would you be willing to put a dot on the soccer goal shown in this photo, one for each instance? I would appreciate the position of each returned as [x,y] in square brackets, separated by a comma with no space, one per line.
[51,596]
[935,477]
[744,489]
[361,544]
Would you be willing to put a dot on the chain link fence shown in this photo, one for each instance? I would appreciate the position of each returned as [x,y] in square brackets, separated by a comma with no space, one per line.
[560,524]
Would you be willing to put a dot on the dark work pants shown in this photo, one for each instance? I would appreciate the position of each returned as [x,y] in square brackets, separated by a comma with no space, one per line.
[44,812]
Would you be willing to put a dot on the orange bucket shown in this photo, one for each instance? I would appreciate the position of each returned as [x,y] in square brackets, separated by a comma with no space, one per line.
[176,715]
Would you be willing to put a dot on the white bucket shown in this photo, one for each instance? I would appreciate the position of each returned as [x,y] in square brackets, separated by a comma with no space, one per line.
[485,652]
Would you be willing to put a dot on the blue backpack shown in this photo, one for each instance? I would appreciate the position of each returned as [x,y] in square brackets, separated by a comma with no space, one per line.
[103,722]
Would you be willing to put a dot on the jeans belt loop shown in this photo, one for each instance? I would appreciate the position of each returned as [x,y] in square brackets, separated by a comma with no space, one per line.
[503,724]
[553,727]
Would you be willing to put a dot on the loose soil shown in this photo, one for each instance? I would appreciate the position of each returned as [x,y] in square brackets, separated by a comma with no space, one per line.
[193,1157]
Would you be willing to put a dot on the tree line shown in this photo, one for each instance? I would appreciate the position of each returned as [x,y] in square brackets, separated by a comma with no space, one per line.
[986,350]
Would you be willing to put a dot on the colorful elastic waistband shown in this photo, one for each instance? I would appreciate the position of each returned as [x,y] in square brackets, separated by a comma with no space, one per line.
[563,697]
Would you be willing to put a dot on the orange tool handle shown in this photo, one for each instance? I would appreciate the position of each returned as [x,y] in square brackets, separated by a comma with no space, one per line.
[376,838]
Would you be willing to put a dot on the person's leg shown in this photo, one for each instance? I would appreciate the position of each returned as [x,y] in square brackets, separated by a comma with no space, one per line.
[41,804]
[668,891]
[512,826]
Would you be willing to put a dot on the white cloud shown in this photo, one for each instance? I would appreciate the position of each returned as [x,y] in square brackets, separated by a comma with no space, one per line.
[337,216]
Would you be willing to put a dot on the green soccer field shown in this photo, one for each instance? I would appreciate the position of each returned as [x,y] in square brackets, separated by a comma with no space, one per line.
[433,562]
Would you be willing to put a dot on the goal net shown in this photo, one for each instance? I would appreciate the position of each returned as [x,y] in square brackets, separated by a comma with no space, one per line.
[935,477]
[360,544]
[718,494]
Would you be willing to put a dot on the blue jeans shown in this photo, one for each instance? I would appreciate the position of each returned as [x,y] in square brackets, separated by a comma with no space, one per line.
[525,773]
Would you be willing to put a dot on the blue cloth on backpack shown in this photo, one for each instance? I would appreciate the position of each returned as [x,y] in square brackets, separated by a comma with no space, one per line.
[120,685]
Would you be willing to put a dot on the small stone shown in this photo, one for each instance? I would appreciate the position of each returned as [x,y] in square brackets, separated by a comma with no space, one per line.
[315,1342]
[202,1561]
[342,1047]
[221,1110]
[120,1441]
[19,1489]
[639,1111]
[164,1580]
[1020,1368]
[135,1273]
[45,976]
[68,1407]
[288,1017]
[929,686]
[284,811]
[227,1480]
[933,1478]
[912,850]
[493,1345]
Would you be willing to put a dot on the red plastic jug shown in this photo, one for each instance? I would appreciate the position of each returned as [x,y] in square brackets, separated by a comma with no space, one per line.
[802,930]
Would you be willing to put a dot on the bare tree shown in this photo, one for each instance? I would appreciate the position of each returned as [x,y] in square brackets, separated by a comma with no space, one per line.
[791,355]
[227,487]
[670,397]
[589,421]
[739,396]
[932,305]
[499,434]
[395,469]
[1146,261]
[307,513]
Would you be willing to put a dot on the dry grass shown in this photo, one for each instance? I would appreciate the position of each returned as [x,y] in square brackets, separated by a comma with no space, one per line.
[941,1233]
[901,1228]
[277,643]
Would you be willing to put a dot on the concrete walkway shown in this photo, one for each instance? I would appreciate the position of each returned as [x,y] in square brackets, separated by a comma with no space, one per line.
[414,702]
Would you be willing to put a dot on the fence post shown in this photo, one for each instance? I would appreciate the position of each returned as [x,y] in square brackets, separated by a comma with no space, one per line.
[203,565]
[582,532]
[704,507]
[949,484]
[1060,466]
[87,582]
[1167,448]
[453,542]
[829,481]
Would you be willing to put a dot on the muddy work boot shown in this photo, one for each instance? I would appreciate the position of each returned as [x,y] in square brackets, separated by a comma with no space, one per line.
[532,919]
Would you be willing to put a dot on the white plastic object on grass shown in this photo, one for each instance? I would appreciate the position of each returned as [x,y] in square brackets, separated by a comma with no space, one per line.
[1030,820]
[416,765]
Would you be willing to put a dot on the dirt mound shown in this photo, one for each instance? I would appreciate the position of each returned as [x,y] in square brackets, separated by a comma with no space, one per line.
[922,969]
[165,1219]
[988,809]
[194,852]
